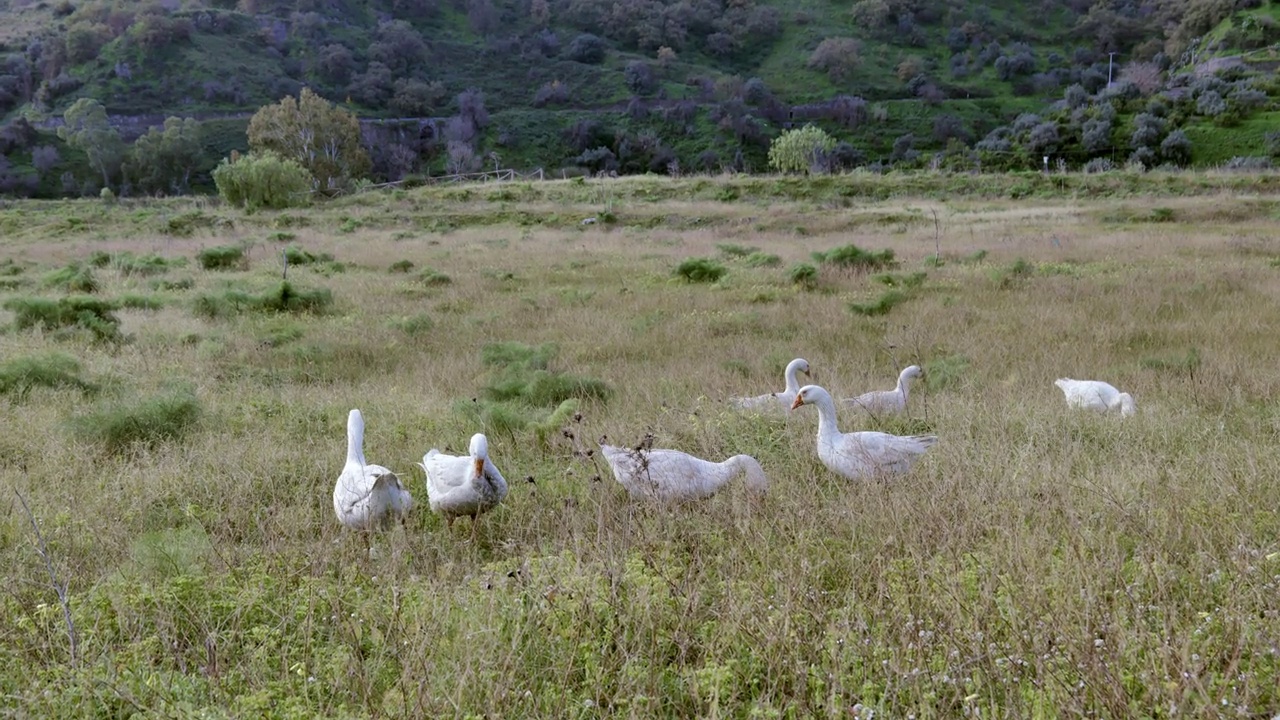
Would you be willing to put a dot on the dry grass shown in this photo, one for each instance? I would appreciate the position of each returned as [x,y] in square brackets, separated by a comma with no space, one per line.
[1036,563]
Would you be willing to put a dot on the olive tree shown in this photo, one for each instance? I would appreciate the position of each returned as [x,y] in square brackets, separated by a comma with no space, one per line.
[315,133]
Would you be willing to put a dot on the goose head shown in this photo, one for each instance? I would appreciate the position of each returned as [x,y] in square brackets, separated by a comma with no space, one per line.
[811,395]
[915,371]
[1127,406]
[479,451]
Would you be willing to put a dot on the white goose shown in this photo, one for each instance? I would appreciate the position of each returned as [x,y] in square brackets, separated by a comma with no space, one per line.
[887,402]
[673,475]
[366,496]
[783,400]
[860,455]
[1096,395]
[463,484]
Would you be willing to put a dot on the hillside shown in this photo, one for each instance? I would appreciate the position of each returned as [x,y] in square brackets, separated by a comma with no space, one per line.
[643,85]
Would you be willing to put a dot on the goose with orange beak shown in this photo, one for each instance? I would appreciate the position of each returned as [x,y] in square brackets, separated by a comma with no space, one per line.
[860,455]
[463,484]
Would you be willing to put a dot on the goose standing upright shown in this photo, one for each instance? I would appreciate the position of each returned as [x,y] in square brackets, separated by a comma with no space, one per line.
[463,484]
[1096,395]
[782,400]
[860,455]
[673,475]
[887,402]
[366,496]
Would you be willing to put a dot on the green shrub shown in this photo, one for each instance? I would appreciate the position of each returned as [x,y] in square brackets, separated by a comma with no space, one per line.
[401,266]
[74,278]
[55,370]
[520,388]
[263,180]
[73,312]
[905,282]
[413,325]
[186,224]
[120,425]
[280,333]
[701,270]
[9,268]
[140,302]
[432,277]
[804,275]
[297,256]
[762,259]
[223,257]
[282,236]
[797,150]
[144,265]
[183,284]
[736,251]
[282,298]
[882,305]
[854,258]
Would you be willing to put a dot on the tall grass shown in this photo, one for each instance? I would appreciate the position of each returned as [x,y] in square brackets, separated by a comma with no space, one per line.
[1037,562]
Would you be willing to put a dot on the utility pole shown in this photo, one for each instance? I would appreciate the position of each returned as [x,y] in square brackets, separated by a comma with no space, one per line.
[1111,59]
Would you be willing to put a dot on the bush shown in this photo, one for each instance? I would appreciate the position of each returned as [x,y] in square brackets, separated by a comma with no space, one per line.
[762,259]
[799,149]
[734,250]
[223,257]
[854,258]
[413,325]
[73,278]
[263,180]
[144,266]
[54,370]
[882,305]
[74,312]
[295,255]
[431,277]
[804,275]
[401,266]
[140,302]
[120,426]
[283,298]
[1099,165]
[701,270]
[588,49]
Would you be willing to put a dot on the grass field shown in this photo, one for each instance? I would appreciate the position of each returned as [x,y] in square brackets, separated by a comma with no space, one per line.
[179,465]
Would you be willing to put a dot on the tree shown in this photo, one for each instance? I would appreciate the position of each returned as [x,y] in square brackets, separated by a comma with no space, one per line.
[87,128]
[587,49]
[799,149]
[837,55]
[639,77]
[323,138]
[162,160]
[540,12]
[262,180]
[1144,75]
[1176,148]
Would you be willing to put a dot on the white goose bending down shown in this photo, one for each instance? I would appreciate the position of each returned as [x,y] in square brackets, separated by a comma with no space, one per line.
[1096,395]
[860,455]
[673,475]
[782,400]
[365,495]
[887,402]
[463,484]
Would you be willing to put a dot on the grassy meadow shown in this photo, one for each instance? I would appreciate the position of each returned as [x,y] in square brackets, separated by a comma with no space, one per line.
[175,413]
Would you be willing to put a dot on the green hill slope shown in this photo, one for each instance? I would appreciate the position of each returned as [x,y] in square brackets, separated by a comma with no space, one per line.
[659,84]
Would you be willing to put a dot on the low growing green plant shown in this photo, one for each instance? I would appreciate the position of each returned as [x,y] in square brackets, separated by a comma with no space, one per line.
[886,302]
[74,278]
[284,297]
[121,424]
[700,270]
[73,312]
[762,259]
[855,259]
[223,257]
[297,256]
[804,275]
[52,369]
[401,266]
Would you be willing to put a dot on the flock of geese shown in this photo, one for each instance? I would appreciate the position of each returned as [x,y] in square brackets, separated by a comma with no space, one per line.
[367,496]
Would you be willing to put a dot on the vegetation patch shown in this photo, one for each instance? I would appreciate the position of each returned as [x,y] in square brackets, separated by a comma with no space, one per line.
[888,300]
[295,255]
[731,250]
[121,425]
[852,258]
[431,277]
[140,302]
[804,275]
[701,270]
[74,278]
[280,332]
[413,325]
[75,312]
[19,376]
[943,372]
[762,259]
[400,266]
[284,297]
[223,257]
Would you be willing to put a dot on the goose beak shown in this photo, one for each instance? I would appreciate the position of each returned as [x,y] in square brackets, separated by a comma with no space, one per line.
[479,467]
[799,401]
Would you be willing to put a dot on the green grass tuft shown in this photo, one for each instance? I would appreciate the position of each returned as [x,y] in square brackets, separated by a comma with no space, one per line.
[905,282]
[74,278]
[732,250]
[401,266]
[19,376]
[76,312]
[804,275]
[855,259]
[284,297]
[413,325]
[121,425]
[883,304]
[140,302]
[297,256]
[223,257]
[701,270]
[762,259]
[430,277]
